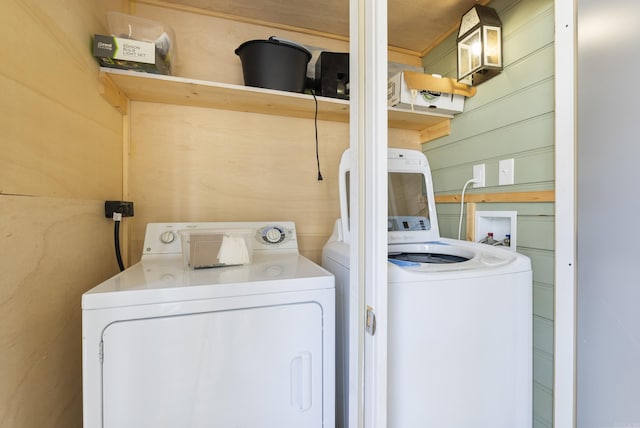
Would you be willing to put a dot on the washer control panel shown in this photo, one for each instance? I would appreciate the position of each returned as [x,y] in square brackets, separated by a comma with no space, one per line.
[165,238]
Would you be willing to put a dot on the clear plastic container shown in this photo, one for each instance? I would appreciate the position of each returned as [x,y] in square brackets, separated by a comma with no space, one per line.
[146,30]
[208,248]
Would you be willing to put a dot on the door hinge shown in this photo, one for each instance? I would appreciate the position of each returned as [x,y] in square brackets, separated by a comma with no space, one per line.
[370,323]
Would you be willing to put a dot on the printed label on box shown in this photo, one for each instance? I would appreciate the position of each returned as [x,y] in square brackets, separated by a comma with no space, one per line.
[124,49]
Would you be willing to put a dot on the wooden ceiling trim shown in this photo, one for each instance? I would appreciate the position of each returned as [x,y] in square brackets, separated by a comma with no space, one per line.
[405,51]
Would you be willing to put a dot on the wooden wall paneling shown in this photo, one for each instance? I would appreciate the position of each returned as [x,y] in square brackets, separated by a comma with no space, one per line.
[59,137]
[480,134]
[543,300]
[536,232]
[51,251]
[542,407]
[196,164]
[530,142]
[206,44]
[543,369]
[448,218]
[530,26]
[534,100]
[542,396]
[537,67]
[53,58]
[48,150]
[401,139]
[529,135]
[404,58]
[61,158]
[191,164]
[453,179]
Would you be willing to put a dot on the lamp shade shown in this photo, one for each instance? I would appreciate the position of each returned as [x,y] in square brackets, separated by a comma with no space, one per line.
[479,45]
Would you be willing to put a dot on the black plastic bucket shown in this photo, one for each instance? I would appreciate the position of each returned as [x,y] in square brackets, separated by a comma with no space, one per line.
[274,64]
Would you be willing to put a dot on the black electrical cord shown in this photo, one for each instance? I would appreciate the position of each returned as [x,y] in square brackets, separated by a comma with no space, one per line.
[315,121]
[116,241]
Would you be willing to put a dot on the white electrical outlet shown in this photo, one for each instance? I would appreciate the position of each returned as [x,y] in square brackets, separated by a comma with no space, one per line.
[478,175]
[505,172]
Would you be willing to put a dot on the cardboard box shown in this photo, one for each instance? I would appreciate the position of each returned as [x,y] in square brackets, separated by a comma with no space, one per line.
[128,54]
[419,91]
[207,248]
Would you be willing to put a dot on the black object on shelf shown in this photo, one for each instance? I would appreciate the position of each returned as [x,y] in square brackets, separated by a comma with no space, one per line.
[274,64]
[332,75]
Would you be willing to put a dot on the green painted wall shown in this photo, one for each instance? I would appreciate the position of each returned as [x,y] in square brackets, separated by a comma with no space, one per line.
[511,116]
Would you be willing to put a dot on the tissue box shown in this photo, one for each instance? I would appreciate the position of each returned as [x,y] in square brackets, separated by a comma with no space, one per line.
[418,91]
[207,248]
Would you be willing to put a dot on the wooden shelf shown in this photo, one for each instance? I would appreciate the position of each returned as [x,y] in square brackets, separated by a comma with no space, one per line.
[535,196]
[119,86]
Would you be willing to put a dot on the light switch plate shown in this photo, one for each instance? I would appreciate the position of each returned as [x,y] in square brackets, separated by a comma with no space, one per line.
[505,172]
[478,175]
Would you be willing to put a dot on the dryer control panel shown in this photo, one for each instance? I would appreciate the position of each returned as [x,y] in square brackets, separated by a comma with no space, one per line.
[278,236]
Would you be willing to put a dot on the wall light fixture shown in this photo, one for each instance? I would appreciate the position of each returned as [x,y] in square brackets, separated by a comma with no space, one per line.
[479,45]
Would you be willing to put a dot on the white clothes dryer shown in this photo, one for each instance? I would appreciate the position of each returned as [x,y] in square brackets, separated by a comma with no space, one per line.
[459,315]
[238,346]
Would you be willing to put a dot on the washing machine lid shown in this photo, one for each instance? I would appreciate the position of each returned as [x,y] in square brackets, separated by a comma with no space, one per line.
[451,257]
[412,213]
[163,279]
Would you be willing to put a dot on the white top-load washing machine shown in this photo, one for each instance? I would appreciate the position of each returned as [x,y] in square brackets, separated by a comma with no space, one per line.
[459,315]
[248,345]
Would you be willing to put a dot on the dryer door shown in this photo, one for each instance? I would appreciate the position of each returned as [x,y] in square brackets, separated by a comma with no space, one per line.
[256,367]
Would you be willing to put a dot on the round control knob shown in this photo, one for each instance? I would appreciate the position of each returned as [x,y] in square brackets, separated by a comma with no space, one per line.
[167,237]
[273,235]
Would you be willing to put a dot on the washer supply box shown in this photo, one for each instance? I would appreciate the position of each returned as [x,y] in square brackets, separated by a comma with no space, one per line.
[207,248]
[419,91]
